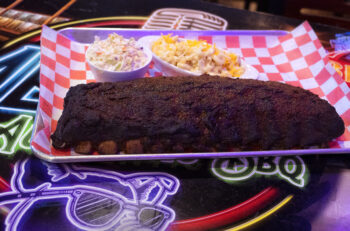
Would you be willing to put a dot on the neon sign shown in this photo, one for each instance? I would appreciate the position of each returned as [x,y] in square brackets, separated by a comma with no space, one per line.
[126,202]
[15,134]
[289,168]
[16,69]
[31,95]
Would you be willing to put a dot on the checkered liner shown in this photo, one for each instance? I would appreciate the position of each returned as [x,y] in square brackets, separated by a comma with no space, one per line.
[297,58]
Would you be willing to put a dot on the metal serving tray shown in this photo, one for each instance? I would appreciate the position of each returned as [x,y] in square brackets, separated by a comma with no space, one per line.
[86,35]
[121,157]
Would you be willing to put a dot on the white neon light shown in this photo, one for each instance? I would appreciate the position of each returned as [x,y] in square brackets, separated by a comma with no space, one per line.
[299,177]
[25,135]
[4,138]
[13,130]
[275,172]
[237,168]
[215,166]
[286,166]
[23,78]
[14,53]
[221,165]
[29,62]
[11,109]
[4,142]
[26,97]
[14,76]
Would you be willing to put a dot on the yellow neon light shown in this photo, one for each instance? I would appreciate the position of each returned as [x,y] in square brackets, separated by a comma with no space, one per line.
[262,216]
[36,32]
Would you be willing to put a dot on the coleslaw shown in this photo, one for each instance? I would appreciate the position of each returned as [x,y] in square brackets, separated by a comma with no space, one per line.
[116,54]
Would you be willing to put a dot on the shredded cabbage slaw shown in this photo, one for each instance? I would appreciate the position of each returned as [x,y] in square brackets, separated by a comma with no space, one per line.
[116,54]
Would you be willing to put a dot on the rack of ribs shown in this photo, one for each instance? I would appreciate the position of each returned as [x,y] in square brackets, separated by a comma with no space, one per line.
[193,114]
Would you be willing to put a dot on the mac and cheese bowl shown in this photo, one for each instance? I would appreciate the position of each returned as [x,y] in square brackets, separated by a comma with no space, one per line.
[175,56]
[117,59]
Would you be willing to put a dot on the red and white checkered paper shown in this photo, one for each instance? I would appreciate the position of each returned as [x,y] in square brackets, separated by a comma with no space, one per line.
[297,58]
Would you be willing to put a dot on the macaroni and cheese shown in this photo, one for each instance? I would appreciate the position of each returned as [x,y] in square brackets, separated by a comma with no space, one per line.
[197,56]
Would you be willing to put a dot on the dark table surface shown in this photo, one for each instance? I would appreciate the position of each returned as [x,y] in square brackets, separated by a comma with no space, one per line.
[237,19]
[40,196]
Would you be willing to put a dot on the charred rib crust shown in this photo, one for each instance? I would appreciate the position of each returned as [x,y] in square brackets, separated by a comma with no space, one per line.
[207,113]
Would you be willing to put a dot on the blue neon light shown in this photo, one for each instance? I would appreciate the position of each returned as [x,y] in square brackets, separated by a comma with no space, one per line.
[24,63]
[29,95]
[15,110]
[19,51]
[23,67]
[18,72]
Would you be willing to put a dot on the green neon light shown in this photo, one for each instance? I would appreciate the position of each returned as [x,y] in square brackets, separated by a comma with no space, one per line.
[15,134]
[291,169]
[24,142]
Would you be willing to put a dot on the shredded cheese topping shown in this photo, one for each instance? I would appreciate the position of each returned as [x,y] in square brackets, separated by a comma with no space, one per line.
[197,56]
